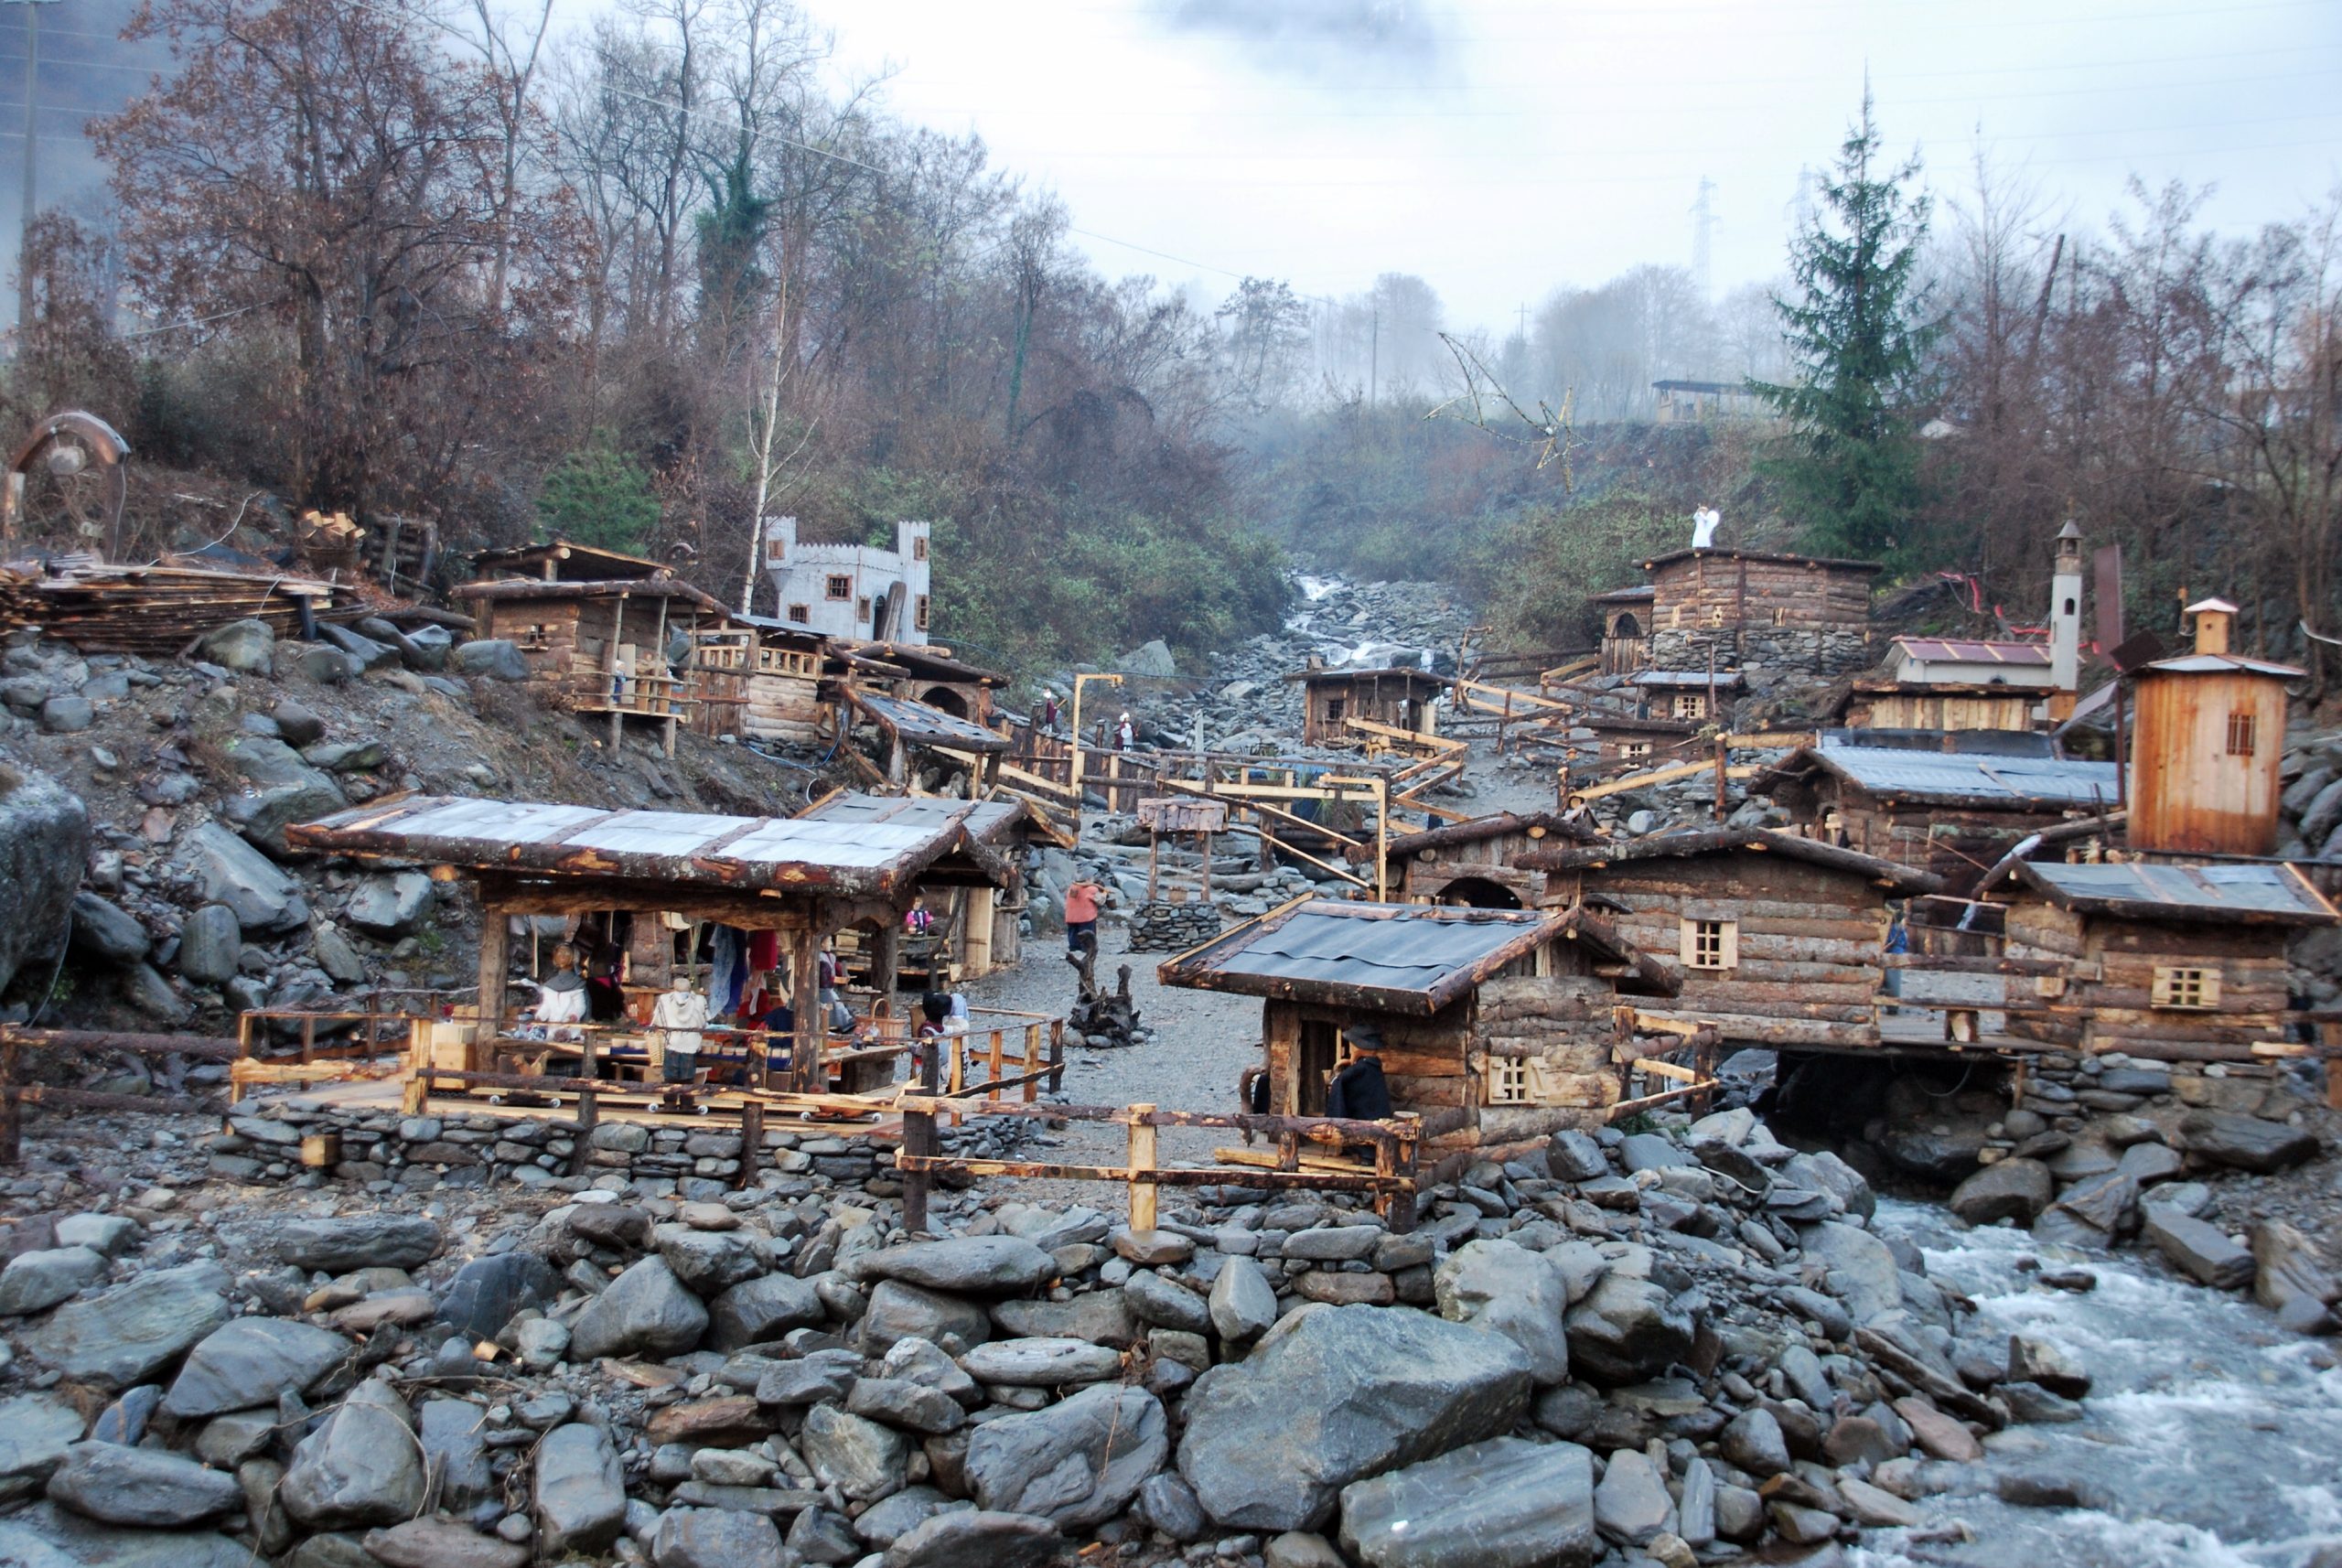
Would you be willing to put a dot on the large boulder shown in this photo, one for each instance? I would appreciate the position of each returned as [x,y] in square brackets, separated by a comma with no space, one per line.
[35,1430]
[1509,1289]
[1857,1268]
[44,845]
[338,1246]
[858,1456]
[1243,1305]
[646,1311]
[1627,1331]
[1334,1394]
[496,658]
[388,906]
[212,945]
[968,1265]
[242,645]
[762,1309]
[47,1536]
[900,1311]
[263,818]
[1504,1503]
[228,871]
[977,1539]
[253,1361]
[125,1336]
[581,1490]
[2016,1189]
[1078,1462]
[142,1486]
[106,932]
[710,1262]
[362,1468]
[485,1294]
[441,1543]
[2245,1142]
[716,1537]
[2200,1250]
[34,1281]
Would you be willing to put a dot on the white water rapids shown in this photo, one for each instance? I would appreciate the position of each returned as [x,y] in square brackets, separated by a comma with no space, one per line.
[2211,1436]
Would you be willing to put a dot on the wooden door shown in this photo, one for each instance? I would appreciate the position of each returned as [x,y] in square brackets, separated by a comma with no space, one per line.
[1319,1042]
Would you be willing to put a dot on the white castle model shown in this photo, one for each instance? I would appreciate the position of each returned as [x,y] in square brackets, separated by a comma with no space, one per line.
[851,590]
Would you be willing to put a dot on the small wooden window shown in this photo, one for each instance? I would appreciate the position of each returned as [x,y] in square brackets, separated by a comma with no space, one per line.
[918,616]
[862,609]
[1509,1080]
[1711,944]
[1715,614]
[2243,733]
[1335,708]
[918,549]
[2186,988]
[1690,705]
[1634,750]
[839,586]
[1780,615]
[801,614]
[1675,615]
[776,550]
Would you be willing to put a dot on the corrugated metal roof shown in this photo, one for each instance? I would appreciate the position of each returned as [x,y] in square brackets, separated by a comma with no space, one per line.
[984,818]
[1415,957]
[1725,680]
[1920,775]
[2268,891]
[2223,664]
[932,726]
[1957,650]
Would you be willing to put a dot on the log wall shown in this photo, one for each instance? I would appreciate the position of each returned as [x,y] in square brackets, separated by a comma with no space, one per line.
[2112,975]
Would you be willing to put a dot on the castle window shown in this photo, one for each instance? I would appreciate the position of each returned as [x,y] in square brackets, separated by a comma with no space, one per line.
[862,609]
[1711,944]
[918,549]
[1508,1080]
[2185,988]
[919,615]
[839,586]
[801,614]
[776,550]
[2243,731]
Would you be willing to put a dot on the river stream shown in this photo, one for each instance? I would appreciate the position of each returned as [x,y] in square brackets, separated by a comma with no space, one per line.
[2211,1437]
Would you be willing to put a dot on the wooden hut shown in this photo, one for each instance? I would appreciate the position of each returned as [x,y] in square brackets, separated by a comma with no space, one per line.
[1952,812]
[1780,938]
[1881,704]
[1750,609]
[1640,741]
[2208,738]
[760,679]
[1626,628]
[1691,696]
[598,647]
[1402,699]
[1496,1026]
[931,675]
[977,927]
[2170,963]
[560,561]
[1469,864]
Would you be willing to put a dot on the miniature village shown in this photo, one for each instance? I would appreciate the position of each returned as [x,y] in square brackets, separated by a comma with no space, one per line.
[561,1071]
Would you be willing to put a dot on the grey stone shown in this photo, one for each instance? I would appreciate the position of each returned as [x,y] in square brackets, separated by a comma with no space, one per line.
[1509,1289]
[1078,1462]
[335,955]
[230,871]
[581,1490]
[253,1361]
[485,1293]
[228,1441]
[104,931]
[46,1536]
[44,848]
[1652,1152]
[977,1539]
[34,1281]
[1575,1156]
[1334,1244]
[859,1457]
[343,1245]
[390,905]
[906,1404]
[826,1375]
[2202,1251]
[1041,1363]
[646,1311]
[1166,1305]
[2054,1367]
[1627,1331]
[1631,1504]
[1170,1506]
[1505,1503]
[1100,1317]
[2289,1279]
[900,1311]
[453,1433]
[361,1467]
[68,713]
[2245,1142]
[35,1428]
[263,818]
[1696,1510]
[298,723]
[762,1309]
[142,1486]
[496,658]
[1753,1441]
[973,1265]
[716,1537]
[1826,1172]
[2108,1204]
[441,1543]
[1858,1268]
[240,645]
[1243,1305]
[708,1263]
[2014,1189]
[125,1336]
[1335,1394]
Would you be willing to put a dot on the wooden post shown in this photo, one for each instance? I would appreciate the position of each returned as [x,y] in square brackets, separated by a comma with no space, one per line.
[1142,1169]
[1720,779]
[1402,1215]
[919,1138]
[1057,1055]
[417,1093]
[806,1072]
[1207,837]
[495,943]
[1153,860]
[589,1115]
[12,1112]
[309,1039]
[244,1054]
[1032,1063]
[887,960]
[752,1142]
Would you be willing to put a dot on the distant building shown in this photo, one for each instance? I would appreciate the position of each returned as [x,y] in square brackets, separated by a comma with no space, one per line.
[1693,402]
[851,590]
[1758,612]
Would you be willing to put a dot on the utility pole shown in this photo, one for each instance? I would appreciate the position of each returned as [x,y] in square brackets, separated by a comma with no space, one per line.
[32,143]
[1703,222]
[1374,354]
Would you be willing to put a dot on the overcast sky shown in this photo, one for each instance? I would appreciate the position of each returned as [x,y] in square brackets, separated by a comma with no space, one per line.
[1501,148]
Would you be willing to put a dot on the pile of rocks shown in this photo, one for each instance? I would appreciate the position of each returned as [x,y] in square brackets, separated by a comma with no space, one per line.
[1687,1347]
[1165,926]
[2310,806]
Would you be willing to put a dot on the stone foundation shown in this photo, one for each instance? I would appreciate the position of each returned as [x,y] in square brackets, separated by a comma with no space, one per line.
[1764,654]
[1173,928]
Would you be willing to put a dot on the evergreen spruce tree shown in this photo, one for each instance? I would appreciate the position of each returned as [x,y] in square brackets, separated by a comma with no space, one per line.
[1860,336]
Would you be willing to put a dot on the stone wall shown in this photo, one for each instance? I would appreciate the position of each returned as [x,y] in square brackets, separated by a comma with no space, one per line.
[1765,655]
[1165,927]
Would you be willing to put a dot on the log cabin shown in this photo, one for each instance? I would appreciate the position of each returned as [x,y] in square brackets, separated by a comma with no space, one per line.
[758,678]
[1751,610]
[1953,812]
[930,675]
[1692,696]
[598,647]
[1402,699]
[1497,1026]
[1642,742]
[2169,963]
[1626,628]
[1780,939]
[2209,736]
[1872,704]
[1469,864]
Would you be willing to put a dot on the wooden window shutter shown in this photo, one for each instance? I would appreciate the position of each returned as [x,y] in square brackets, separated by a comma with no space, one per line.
[1687,931]
[1732,944]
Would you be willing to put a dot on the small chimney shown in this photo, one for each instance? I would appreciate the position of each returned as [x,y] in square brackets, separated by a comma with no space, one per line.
[2214,618]
[1313,662]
